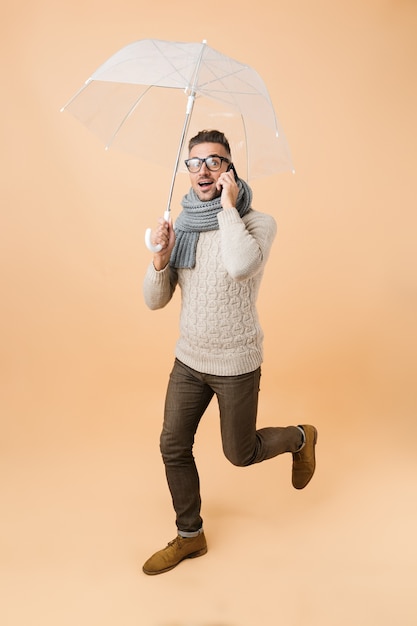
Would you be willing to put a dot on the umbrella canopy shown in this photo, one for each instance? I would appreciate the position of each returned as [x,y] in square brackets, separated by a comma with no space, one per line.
[138,99]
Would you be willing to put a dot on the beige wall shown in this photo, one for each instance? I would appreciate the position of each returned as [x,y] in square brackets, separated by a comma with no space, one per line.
[84,364]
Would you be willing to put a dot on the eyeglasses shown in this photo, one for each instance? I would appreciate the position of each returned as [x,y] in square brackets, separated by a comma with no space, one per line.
[213,163]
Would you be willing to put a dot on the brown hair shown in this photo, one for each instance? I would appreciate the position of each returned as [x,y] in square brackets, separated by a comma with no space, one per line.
[209,136]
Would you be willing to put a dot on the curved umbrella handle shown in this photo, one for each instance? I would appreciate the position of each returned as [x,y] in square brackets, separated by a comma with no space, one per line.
[148,232]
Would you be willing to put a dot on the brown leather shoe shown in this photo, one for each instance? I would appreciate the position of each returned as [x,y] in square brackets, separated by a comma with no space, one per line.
[304,461]
[176,551]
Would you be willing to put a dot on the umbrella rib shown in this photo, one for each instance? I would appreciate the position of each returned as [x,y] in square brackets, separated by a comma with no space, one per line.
[228,75]
[126,116]
[247,146]
[176,70]
[236,104]
[211,92]
[71,100]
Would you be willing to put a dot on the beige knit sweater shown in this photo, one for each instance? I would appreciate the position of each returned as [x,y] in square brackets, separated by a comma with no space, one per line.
[219,327]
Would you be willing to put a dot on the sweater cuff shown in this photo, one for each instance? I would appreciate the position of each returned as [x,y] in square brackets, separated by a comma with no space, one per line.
[157,277]
[228,216]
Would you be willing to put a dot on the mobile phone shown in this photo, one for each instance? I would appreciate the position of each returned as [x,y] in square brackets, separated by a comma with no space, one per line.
[232,167]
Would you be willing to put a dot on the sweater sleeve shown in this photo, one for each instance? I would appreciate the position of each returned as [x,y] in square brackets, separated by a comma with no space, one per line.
[245,242]
[159,286]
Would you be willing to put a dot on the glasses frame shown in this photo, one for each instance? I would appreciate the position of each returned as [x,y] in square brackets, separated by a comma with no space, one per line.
[210,156]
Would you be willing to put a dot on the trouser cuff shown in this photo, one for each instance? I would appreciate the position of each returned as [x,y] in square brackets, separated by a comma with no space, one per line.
[188,535]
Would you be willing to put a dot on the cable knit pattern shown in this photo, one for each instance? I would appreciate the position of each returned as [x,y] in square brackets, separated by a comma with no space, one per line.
[219,328]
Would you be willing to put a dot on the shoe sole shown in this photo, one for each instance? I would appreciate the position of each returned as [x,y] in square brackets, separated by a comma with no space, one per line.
[193,555]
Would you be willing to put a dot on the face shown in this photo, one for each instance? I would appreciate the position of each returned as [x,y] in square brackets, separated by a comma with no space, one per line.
[204,181]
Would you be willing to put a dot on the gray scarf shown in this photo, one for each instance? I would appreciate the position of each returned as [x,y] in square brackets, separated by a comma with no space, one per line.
[197,217]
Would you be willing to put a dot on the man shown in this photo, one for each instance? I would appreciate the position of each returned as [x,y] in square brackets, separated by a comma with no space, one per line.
[216,255]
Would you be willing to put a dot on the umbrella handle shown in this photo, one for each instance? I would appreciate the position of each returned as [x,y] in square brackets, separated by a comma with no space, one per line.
[148,232]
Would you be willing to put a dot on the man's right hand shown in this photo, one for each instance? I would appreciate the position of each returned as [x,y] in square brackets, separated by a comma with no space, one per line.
[164,235]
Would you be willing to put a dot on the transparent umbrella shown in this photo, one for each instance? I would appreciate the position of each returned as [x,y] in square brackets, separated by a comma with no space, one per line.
[152,95]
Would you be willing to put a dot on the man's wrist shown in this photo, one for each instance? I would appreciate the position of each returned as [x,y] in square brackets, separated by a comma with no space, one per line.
[159,265]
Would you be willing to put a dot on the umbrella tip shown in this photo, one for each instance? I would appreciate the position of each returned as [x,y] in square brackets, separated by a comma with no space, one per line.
[204,40]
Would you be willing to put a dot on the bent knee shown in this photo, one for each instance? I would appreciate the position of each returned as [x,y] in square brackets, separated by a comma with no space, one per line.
[238,459]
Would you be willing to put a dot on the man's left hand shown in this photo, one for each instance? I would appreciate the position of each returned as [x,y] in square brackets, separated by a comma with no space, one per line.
[227,183]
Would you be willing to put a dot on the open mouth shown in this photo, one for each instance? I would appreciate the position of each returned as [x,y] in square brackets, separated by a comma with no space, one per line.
[205,184]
